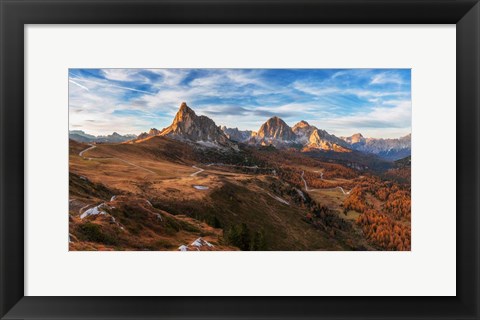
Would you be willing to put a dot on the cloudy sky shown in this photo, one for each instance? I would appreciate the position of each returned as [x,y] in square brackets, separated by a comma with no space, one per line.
[375,102]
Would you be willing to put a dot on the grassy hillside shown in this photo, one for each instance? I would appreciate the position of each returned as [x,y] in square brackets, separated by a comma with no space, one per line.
[162,194]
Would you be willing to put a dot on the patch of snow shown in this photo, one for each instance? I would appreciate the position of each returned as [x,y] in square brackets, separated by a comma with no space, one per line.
[159,217]
[200,243]
[183,248]
[201,187]
[81,209]
[113,198]
[149,203]
[94,211]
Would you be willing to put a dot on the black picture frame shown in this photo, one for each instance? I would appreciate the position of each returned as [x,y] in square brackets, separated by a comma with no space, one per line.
[15,14]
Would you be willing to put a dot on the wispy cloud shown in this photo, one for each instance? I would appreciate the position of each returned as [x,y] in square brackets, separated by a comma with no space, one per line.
[78,84]
[387,77]
[340,101]
[107,84]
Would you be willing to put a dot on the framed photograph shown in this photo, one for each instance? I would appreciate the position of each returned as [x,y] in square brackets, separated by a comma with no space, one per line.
[239,159]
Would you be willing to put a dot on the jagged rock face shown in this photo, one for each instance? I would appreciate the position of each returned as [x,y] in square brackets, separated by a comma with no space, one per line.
[321,139]
[237,135]
[276,129]
[303,130]
[151,133]
[200,129]
[356,138]
[390,149]
[276,132]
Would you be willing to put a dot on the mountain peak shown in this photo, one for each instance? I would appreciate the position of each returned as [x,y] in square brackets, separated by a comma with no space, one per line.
[184,112]
[357,137]
[275,128]
[321,139]
[153,132]
[354,138]
[184,108]
[301,125]
[303,130]
[276,120]
[200,129]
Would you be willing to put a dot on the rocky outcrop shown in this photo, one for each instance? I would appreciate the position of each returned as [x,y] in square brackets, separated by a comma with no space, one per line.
[276,129]
[303,130]
[187,126]
[322,140]
[389,149]
[237,135]
[151,133]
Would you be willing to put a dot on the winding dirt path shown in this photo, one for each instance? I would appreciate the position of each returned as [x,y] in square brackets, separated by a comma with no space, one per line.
[197,172]
[83,151]
[321,177]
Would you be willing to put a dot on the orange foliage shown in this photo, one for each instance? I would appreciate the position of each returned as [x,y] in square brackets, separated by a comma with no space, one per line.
[389,226]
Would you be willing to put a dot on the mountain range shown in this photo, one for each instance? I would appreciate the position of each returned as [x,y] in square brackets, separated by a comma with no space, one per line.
[389,149]
[81,136]
[187,126]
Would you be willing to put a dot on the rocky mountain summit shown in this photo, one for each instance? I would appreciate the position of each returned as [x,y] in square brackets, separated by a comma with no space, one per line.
[275,129]
[390,149]
[187,126]
[321,139]
[304,136]
[303,130]
[356,138]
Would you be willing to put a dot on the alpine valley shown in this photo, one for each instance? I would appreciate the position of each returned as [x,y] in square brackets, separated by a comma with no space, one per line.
[199,186]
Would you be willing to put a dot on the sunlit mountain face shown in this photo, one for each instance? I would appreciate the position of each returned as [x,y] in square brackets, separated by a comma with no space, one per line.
[237,159]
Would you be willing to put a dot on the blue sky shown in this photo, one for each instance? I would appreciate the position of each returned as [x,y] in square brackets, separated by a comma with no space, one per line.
[375,102]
